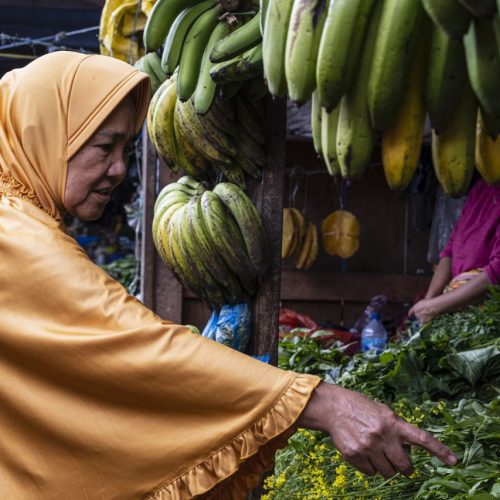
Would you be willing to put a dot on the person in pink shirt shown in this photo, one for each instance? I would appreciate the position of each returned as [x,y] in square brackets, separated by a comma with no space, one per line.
[470,262]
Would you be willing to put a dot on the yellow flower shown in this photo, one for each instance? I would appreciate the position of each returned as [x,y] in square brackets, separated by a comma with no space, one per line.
[339,482]
[341,470]
[280,480]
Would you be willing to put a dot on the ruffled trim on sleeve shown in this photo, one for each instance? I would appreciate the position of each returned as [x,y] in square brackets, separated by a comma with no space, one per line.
[234,470]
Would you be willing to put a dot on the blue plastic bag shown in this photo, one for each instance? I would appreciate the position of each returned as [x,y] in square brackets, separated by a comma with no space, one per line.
[230,326]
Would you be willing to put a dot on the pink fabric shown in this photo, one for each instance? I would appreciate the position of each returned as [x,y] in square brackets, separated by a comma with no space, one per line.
[475,241]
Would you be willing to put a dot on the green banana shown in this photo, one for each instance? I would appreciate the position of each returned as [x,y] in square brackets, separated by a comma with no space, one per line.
[176,187]
[233,173]
[243,67]
[191,182]
[316,122]
[143,65]
[394,48]
[274,44]
[227,239]
[483,64]
[166,203]
[151,109]
[263,5]
[219,118]
[200,138]
[183,264]
[201,269]
[249,223]
[340,48]
[160,234]
[188,157]
[454,148]
[302,45]
[328,131]
[496,28]
[241,39]
[445,77]
[160,20]
[199,243]
[204,93]
[248,120]
[192,51]
[177,34]
[448,15]
[249,147]
[480,8]
[248,166]
[163,131]
[355,135]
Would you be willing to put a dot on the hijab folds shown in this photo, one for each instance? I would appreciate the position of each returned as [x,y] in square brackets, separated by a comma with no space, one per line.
[100,398]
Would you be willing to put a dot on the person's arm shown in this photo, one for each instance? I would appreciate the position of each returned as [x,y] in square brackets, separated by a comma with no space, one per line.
[469,293]
[441,277]
[368,434]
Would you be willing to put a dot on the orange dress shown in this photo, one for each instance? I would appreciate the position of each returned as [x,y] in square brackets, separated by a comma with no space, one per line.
[100,398]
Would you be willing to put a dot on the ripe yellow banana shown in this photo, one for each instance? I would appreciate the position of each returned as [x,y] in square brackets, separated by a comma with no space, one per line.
[163,126]
[453,149]
[487,153]
[402,141]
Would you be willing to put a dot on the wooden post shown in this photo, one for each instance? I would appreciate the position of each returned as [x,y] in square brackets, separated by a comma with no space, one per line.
[268,198]
[160,289]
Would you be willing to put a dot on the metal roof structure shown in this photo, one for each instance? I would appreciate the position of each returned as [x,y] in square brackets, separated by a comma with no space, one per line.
[29,29]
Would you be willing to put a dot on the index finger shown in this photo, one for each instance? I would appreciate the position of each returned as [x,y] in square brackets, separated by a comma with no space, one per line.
[418,437]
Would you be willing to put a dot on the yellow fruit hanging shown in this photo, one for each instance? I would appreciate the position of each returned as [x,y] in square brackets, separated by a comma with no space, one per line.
[340,231]
[487,153]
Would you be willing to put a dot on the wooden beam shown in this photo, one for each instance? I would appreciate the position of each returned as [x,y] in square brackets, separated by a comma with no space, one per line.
[268,198]
[148,251]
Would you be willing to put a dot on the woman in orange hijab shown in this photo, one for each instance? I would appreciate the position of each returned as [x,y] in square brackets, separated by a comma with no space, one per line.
[100,398]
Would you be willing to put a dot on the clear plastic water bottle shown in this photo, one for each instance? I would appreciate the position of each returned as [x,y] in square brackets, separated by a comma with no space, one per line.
[374,335]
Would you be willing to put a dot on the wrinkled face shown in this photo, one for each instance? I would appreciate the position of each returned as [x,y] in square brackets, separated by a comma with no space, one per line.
[100,165]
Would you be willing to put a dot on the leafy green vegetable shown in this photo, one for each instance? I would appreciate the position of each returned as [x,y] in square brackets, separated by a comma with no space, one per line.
[445,378]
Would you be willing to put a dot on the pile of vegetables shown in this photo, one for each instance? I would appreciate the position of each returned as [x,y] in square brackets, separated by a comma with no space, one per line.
[445,379]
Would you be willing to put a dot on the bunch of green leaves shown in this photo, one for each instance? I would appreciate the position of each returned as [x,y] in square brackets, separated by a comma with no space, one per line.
[304,353]
[125,271]
[310,467]
[445,378]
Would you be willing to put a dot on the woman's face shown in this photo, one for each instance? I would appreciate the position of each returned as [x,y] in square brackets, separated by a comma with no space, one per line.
[100,165]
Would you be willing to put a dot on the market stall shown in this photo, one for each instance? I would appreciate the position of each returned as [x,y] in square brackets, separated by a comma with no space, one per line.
[307,160]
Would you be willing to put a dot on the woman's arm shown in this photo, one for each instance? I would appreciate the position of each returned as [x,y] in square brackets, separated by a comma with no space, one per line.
[368,434]
[469,293]
[441,277]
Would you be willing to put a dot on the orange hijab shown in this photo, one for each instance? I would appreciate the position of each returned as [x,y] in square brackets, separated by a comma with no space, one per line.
[45,120]
[100,398]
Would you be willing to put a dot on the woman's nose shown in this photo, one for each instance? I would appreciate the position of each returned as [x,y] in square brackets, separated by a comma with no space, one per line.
[118,168]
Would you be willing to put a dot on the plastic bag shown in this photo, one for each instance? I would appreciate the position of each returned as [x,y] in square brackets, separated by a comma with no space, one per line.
[230,326]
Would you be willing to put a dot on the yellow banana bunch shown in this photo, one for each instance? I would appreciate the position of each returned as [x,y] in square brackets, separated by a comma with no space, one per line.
[119,26]
[228,140]
[212,240]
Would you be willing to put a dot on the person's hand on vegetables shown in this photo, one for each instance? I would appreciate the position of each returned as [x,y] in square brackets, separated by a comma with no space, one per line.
[423,310]
[368,434]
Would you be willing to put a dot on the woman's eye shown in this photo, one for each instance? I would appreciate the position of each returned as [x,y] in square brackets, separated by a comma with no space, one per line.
[107,148]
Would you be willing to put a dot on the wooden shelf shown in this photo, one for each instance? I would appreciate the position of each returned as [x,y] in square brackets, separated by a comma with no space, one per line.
[350,287]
